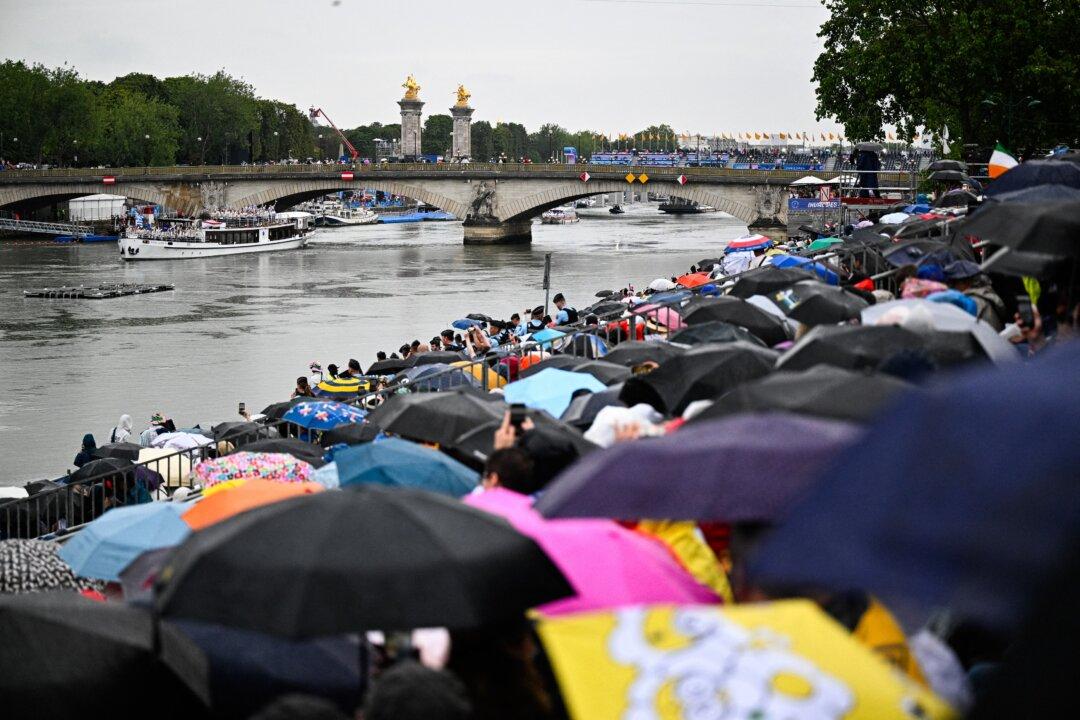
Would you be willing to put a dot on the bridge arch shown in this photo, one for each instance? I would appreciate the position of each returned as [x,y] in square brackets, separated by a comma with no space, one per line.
[38,195]
[289,194]
[561,193]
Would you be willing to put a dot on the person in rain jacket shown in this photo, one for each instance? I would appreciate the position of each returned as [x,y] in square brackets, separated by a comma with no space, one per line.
[121,432]
[86,454]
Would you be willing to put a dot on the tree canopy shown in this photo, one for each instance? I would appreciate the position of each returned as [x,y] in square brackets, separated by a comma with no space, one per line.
[1000,70]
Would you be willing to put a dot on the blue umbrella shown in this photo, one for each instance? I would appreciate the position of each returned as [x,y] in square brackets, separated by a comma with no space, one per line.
[466,323]
[447,377]
[401,463]
[110,543]
[964,496]
[785,261]
[547,335]
[323,414]
[550,389]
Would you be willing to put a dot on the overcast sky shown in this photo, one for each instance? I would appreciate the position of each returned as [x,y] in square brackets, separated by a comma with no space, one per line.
[705,66]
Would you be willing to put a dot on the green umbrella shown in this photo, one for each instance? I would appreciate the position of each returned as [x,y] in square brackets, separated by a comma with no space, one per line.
[823,244]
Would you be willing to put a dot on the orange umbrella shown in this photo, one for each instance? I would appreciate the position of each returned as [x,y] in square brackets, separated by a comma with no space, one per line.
[694,280]
[245,496]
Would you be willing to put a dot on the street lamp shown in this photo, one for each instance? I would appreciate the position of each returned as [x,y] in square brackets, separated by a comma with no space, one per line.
[146,150]
[76,152]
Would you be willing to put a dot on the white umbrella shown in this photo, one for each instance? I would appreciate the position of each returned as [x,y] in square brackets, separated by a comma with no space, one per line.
[941,316]
[180,441]
[809,180]
[661,285]
[894,218]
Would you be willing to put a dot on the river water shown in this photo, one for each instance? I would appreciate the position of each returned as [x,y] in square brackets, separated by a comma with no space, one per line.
[243,328]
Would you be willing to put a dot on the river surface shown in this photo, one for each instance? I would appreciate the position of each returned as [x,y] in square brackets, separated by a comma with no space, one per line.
[243,328]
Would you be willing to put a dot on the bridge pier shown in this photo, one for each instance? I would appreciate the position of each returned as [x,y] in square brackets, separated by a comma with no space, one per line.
[511,232]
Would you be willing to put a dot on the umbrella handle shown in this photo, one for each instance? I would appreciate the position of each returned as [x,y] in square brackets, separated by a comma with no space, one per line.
[993,259]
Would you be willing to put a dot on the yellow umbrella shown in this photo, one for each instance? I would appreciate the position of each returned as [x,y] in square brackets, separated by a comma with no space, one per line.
[494,379]
[783,659]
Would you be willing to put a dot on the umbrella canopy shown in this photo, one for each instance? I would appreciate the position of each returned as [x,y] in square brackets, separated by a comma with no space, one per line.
[400,463]
[815,303]
[121,450]
[948,176]
[1053,192]
[547,335]
[658,315]
[766,280]
[875,147]
[66,656]
[481,317]
[478,444]
[703,373]
[583,409]
[821,391]
[276,467]
[822,269]
[936,507]
[562,362]
[607,565]
[433,357]
[440,417]
[784,659]
[276,411]
[368,557]
[111,542]
[858,347]
[606,308]
[606,372]
[747,243]
[550,389]
[1036,172]
[323,414]
[174,467]
[183,440]
[1052,228]
[713,332]
[808,180]
[102,467]
[466,323]
[32,566]
[238,432]
[349,434]
[728,470]
[942,316]
[956,165]
[341,388]
[244,496]
[311,454]
[694,280]
[437,376]
[769,329]
[390,366]
[636,352]
[826,242]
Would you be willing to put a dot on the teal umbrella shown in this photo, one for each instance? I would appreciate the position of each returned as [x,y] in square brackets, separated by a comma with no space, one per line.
[110,543]
[401,463]
[550,389]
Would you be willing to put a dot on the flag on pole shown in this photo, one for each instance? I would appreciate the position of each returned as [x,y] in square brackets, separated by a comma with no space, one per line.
[945,140]
[1000,161]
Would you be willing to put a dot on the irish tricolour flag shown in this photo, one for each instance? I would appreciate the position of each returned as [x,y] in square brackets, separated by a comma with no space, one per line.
[1000,161]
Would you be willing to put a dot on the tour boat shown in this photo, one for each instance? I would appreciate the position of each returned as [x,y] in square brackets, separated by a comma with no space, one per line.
[559,216]
[685,208]
[230,235]
[332,213]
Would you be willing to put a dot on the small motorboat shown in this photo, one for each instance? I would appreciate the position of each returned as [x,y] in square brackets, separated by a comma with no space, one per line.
[617,210]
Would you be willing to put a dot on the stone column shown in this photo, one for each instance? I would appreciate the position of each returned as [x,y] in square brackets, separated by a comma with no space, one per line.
[462,145]
[410,127]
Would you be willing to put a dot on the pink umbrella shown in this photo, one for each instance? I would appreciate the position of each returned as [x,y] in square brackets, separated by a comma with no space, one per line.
[661,315]
[607,564]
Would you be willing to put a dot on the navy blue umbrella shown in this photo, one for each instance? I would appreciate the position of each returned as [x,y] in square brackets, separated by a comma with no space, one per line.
[1036,172]
[966,496]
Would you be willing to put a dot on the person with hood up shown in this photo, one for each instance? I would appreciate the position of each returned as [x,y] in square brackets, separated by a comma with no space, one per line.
[86,454]
[121,432]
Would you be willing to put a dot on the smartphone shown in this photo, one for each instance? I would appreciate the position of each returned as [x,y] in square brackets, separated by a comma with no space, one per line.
[242,408]
[518,413]
[1023,307]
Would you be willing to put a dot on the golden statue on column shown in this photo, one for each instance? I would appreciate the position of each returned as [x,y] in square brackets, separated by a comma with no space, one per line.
[412,88]
[463,96]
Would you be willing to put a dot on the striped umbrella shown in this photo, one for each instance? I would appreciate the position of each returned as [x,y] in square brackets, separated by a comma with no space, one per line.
[28,566]
[277,467]
[341,387]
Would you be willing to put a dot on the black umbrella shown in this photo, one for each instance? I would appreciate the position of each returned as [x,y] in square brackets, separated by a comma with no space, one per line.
[605,308]
[562,362]
[299,449]
[1053,192]
[390,366]
[238,432]
[703,373]
[948,176]
[477,444]
[707,263]
[1050,228]
[368,557]
[583,409]
[815,303]
[439,417]
[769,328]
[276,411]
[858,347]
[712,332]
[122,450]
[113,466]
[874,147]
[66,656]
[635,352]
[956,165]
[822,391]
[766,280]
[604,293]
[479,317]
[608,373]
[957,198]
[433,358]
[1036,172]
[350,434]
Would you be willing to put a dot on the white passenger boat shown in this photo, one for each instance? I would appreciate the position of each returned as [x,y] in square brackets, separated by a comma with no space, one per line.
[333,213]
[559,216]
[177,239]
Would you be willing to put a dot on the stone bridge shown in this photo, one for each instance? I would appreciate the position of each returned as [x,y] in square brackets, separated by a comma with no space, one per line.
[496,202]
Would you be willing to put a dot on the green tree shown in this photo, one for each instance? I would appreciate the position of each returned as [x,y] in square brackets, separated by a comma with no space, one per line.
[144,84]
[364,136]
[1003,70]
[483,146]
[437,137]
[23,90]
[132,129]
[547,142]
[218,114]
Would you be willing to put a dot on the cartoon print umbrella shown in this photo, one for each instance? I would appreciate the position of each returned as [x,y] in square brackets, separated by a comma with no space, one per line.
[277,467]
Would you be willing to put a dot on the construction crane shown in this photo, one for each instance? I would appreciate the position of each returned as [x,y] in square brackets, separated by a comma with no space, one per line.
[316,112]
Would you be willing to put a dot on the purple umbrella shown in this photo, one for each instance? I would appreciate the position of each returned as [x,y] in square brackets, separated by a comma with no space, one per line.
[740,468]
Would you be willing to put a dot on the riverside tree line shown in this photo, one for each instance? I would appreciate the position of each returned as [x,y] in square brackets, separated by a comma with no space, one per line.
[53,116]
